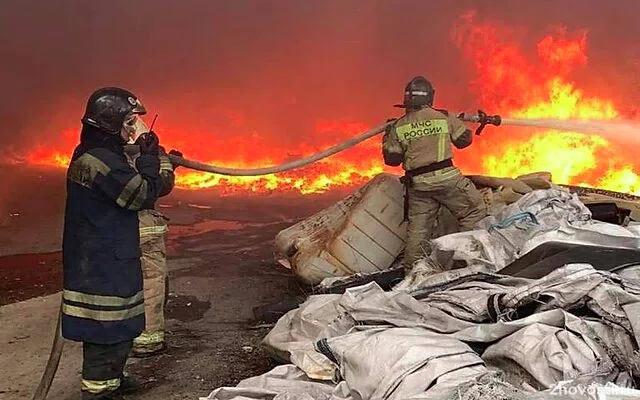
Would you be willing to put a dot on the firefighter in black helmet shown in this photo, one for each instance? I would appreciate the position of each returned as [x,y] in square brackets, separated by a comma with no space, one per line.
[422,142]
[109,108]
[103,303]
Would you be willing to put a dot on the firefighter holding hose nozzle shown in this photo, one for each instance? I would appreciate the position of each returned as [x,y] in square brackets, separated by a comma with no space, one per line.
[422,142]
[103,299]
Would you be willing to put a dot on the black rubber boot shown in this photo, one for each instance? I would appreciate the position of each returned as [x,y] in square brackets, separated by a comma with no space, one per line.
[110,395]
[128,384]
[150,353]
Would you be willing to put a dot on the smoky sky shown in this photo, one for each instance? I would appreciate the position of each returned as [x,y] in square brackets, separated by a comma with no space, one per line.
[238,67]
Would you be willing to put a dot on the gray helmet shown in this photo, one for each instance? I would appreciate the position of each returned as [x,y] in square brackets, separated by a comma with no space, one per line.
[108,108]
[418,93]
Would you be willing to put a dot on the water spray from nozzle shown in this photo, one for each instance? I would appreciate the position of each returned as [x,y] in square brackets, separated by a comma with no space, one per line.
[617,130]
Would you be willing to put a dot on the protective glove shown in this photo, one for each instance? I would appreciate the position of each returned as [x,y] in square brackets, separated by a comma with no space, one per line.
[149,144]
[177,154]
[148,166]
[389,127]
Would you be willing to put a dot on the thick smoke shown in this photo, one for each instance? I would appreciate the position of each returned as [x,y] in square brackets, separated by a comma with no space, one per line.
[271,67]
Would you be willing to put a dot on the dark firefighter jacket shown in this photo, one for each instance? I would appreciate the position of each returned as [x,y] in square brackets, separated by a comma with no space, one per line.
[103,300]
[167,176]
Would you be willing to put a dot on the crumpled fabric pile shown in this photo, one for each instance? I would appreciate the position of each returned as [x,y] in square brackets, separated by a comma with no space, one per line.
[538,217]
[455,334]
[471,333]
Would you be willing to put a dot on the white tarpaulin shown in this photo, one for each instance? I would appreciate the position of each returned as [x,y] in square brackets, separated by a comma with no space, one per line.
[471,333]
[426,344]
[538,217]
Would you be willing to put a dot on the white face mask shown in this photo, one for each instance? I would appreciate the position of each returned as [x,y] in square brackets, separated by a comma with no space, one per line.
[133,127]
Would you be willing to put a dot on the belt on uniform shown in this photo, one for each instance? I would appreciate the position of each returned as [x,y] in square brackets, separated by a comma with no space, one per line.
[407,180]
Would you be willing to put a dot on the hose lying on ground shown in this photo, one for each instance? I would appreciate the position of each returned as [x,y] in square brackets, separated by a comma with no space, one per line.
[58,342]
[198,166]
[52,364]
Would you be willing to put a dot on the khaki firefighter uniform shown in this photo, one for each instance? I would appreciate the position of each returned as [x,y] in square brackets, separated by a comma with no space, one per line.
[153,232]
[422,141]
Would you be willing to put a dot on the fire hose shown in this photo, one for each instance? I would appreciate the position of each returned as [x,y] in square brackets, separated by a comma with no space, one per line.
[198,166]
[58,342]
[481,118]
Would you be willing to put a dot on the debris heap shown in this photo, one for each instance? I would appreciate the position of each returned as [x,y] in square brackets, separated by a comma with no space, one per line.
[540,302]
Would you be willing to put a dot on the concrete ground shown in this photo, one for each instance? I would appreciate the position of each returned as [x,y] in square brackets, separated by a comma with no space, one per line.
[221,265]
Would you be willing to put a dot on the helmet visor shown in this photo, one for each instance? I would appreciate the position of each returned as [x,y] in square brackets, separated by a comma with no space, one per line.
[134,126]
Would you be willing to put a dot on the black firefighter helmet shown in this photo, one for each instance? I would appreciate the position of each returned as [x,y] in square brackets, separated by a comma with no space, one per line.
[108,108]
[418,93]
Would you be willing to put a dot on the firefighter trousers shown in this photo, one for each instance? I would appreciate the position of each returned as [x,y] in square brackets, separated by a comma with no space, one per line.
[458,194]
[153,232]
[103,366]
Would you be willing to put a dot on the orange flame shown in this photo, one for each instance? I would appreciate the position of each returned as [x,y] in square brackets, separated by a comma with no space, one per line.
[507,83]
